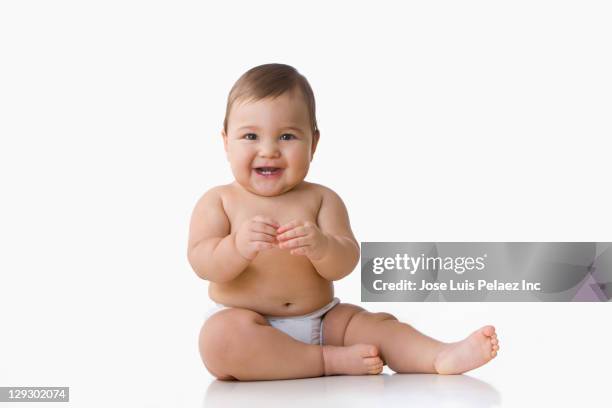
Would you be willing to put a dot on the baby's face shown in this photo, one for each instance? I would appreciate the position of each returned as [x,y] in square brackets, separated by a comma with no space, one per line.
[269,143]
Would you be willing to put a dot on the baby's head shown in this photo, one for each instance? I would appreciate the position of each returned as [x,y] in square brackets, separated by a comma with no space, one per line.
[270,129]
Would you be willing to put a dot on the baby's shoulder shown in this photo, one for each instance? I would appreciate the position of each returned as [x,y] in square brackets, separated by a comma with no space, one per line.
[325,197]
[321,190]
[214,196]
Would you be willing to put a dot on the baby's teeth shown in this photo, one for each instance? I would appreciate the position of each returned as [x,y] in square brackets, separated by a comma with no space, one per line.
[266,171]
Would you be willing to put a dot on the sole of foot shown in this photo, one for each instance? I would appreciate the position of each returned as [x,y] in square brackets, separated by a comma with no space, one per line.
[477,349]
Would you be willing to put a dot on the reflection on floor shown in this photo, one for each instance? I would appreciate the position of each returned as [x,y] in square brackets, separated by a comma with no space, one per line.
[357,391]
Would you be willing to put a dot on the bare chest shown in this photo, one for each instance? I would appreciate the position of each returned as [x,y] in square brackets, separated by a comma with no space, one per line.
[300,207]
[275,282]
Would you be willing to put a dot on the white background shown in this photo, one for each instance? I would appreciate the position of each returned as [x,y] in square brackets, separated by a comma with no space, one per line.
[440,121]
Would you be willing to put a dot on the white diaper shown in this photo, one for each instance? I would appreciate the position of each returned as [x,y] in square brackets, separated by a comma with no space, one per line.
[306,328]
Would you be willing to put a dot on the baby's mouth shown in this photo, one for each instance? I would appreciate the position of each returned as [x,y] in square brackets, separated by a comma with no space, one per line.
[268,171]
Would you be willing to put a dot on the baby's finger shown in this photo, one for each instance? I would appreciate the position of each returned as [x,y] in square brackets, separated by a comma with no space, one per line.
[258,226]
[266,220]
[288,226]
[292,233]
[299,251]
[294,243]
[261,246]
[258,236]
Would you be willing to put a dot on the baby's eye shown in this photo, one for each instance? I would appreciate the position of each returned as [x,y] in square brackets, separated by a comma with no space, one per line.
[287,136]
[250,136]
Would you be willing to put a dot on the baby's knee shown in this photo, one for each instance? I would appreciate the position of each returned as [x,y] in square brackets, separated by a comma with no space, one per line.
[223,328]
[220,337]
[382,316]
[376,317]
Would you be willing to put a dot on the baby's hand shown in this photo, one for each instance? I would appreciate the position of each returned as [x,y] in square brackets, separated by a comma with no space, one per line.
[255,235]
[303,238]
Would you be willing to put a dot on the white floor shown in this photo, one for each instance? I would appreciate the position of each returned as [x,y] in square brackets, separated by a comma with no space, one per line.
[530,386]
[364,391]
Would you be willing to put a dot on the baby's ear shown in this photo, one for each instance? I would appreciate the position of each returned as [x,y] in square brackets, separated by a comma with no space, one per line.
[315,141]
[224,136]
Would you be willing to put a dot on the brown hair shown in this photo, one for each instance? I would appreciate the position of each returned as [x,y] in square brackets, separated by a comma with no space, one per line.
[271,80]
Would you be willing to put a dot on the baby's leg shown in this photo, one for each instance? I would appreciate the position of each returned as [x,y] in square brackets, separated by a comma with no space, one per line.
[240,344]
[403,348]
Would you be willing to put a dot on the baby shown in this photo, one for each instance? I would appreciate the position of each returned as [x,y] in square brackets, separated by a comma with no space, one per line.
[271,244]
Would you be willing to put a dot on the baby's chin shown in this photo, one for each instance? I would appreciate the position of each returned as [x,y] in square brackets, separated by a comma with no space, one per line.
[268,191]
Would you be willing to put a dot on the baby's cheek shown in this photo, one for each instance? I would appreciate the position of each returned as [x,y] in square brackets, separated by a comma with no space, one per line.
[303,160]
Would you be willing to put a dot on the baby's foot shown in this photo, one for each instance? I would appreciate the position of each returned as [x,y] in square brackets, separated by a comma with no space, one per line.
[476,350]
[357,359]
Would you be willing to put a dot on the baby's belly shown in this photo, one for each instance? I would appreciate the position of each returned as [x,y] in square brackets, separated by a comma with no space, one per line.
[276,283]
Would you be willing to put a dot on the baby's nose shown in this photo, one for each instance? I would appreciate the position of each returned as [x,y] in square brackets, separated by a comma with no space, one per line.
[269,149]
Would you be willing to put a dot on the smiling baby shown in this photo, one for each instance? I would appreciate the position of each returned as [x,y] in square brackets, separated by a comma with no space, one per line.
[271,244]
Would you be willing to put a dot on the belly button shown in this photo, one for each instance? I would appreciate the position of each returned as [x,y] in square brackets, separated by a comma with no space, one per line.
[287,304]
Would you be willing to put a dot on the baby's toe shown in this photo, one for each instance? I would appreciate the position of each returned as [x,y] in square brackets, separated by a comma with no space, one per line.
[494,341]
[370,351]
[488,331]
[375,368]
[495,347]
[372,361]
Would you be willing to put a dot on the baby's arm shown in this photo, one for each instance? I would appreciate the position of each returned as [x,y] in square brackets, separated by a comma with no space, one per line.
[329,245]
[212,250]
[342,253]
[214,253]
